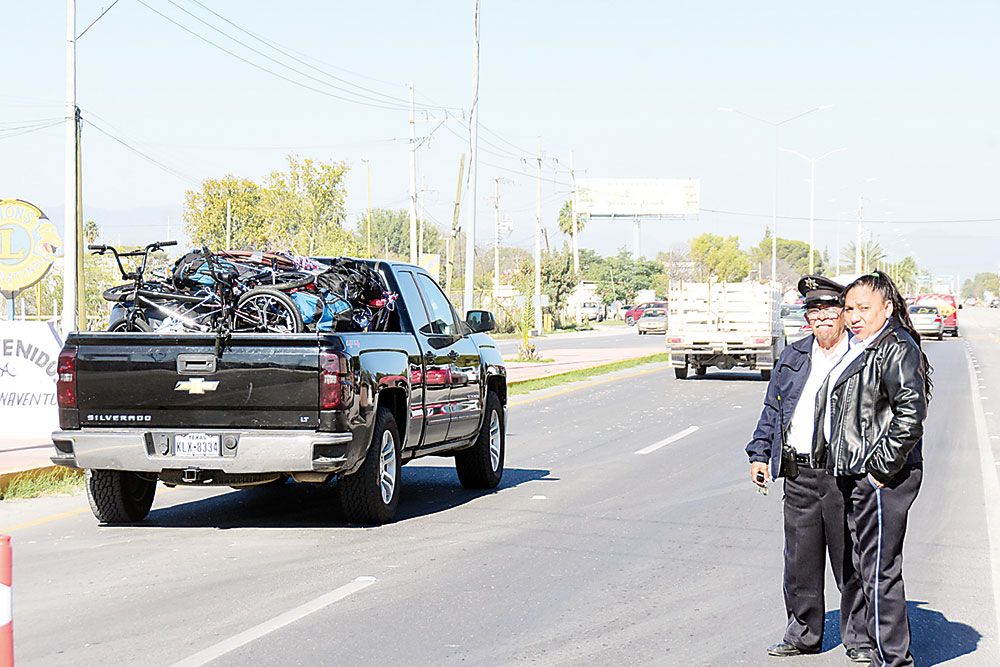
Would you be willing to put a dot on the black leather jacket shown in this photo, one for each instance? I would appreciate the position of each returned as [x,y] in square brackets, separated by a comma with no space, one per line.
[878,407]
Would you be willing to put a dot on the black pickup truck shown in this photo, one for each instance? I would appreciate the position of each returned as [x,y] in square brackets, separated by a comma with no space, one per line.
[135,408]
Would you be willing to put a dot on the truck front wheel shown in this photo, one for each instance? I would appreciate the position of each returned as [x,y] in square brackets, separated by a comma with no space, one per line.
[370,495]
[481,466]
[117,496]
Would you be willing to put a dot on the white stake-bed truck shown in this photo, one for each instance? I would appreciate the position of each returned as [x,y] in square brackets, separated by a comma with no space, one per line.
[725,325]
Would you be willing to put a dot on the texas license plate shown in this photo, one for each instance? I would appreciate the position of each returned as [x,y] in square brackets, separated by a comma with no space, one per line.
[196,444]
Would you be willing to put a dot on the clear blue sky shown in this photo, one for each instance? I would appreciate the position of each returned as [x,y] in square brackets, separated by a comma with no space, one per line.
[632,87]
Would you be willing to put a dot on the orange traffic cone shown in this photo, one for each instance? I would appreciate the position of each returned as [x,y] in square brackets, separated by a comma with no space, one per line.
[6,605]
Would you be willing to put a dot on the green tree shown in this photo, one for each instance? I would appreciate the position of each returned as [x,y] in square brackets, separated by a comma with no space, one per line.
[793,254]
[391,227]
[304,207]
[872,256]
[719,258]
[205,213]
[619,278]
[982,282]
[566,219]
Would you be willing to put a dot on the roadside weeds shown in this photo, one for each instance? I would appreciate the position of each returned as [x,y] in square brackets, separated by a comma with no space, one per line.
[42,482]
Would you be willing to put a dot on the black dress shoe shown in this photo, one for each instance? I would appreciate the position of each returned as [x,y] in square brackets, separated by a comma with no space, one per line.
[784,650]
[863,654]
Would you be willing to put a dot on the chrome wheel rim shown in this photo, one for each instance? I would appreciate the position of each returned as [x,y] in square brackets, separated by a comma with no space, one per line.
[263,312]
[387,467]
[495,440]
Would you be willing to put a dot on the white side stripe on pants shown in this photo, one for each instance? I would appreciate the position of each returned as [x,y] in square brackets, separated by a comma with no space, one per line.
[878,567]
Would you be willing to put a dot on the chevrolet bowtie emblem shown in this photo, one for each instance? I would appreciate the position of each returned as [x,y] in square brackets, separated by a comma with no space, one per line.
[811,283]
[196,385]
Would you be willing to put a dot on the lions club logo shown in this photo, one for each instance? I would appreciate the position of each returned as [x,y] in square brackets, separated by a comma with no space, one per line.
[28,244]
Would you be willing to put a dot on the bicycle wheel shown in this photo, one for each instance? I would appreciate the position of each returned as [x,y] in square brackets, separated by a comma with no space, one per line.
[137,324]
[287,280]
[266,310]
[118,293]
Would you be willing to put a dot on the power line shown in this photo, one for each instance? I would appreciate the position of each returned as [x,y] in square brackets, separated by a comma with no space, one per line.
[170,170]
[521,173]
[99,17]
[284,50]
[398,105]
[16,132]
[262,68]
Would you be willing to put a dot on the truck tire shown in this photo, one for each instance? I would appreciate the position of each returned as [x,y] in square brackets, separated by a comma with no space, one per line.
[370,495]
[681,373]
[700,371]
[117,496]
[765,375]
[481,466]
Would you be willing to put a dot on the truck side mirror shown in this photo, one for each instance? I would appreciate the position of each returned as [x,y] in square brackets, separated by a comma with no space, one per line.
[480,321]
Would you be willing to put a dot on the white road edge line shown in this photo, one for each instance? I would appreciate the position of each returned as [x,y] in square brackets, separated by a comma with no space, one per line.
[991,491]
[236,641]
[663,443]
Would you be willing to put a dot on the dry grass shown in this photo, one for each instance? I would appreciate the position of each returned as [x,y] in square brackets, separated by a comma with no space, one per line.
[31,484]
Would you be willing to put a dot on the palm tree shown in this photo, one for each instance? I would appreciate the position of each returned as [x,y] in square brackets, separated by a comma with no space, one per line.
[872,254]
[566,219]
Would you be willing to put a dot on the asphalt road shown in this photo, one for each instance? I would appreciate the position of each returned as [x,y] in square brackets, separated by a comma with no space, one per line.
[590,553]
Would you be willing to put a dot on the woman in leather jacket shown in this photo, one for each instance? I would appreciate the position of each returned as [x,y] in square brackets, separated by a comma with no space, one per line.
[876,401]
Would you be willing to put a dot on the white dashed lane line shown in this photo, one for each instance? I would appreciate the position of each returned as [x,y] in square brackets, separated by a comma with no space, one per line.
[663,443]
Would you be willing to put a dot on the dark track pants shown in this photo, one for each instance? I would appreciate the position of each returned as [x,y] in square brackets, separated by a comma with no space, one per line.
[815,523]
[877,520]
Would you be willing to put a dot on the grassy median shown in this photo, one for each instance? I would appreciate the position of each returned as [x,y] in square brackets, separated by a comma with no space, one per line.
[583,374]
[31,484]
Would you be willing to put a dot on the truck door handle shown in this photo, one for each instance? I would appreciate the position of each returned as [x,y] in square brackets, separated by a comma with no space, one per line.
[195,364]
[429,357]
[453,355]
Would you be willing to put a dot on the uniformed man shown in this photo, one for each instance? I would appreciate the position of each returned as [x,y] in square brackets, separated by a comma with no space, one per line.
[785,444]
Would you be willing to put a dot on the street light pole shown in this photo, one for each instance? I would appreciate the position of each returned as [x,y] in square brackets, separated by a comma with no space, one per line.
[774,201]
[70,238]
[812,199]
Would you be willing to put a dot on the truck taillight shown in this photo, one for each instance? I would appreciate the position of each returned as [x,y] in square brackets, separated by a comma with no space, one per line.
[761,341]
[66,378]
[674,340]
[937,320]
[335,382]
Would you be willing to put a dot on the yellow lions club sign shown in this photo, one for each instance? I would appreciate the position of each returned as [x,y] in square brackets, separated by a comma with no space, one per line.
[28,243]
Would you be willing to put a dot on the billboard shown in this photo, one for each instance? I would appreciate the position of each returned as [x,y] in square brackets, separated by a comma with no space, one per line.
[639,196]
[28,244]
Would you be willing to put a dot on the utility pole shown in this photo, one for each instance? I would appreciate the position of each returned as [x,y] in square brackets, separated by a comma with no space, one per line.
[70,238]
[857,243]
[538,242]
[421,221]
[368,221]
[229,224]
[470,232]
[413,182]
[496,239]
[576,244]
[453,237]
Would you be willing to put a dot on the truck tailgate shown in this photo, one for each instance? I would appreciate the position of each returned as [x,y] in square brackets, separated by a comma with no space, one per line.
[156,380]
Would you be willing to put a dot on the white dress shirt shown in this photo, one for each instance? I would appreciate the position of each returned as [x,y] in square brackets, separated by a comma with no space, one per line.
[800,430]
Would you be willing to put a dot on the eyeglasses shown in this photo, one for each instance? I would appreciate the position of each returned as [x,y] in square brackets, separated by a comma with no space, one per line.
[824,313]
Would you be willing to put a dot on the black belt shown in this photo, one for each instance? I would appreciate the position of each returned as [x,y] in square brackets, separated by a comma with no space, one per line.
[807,461]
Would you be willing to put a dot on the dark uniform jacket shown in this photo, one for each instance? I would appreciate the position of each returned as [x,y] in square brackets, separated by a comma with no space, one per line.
[783,392]
[878,407]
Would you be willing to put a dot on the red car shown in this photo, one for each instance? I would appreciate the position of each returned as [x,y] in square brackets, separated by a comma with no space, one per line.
[633,314]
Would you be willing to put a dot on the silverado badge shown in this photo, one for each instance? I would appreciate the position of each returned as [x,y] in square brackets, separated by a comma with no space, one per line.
[196,385]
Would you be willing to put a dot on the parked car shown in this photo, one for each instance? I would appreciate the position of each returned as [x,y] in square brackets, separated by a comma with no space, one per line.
[592,310]
[972,301]
[995,302]
[633,314]
[927,321]
[793,321]
[653,320]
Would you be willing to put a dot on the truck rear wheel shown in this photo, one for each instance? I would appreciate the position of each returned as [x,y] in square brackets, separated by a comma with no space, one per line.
[370,495]
[765,375]
[481,466]
[117,496]
[700,371]
[681,373]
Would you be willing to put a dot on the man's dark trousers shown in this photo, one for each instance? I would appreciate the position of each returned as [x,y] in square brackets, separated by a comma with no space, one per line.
[877,521]
[815,522]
